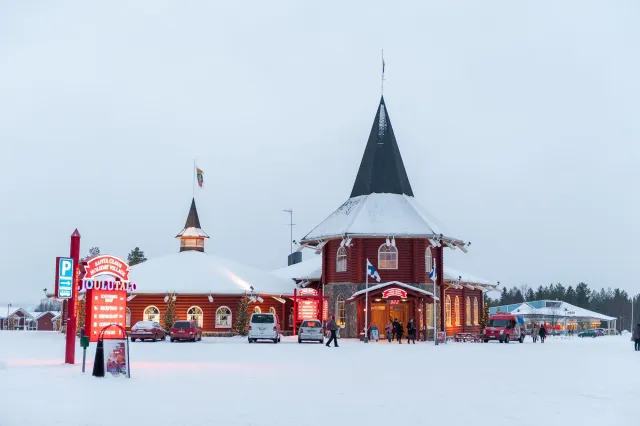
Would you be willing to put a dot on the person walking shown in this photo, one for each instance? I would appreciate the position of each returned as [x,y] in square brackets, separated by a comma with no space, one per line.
[389,331]
[400,332]
[411,332]
[636,337]
[542,333]
[534,333]
[395,328]
[333,328]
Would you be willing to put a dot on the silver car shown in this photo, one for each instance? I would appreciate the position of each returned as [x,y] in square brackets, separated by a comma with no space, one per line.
[311,330]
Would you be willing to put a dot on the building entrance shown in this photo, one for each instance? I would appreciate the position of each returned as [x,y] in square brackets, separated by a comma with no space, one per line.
[383,313]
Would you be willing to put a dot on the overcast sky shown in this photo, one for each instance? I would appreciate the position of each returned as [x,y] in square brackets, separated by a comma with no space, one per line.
[517,121]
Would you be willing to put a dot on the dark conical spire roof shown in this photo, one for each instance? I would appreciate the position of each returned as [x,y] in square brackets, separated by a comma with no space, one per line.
[192,220]
[381,169]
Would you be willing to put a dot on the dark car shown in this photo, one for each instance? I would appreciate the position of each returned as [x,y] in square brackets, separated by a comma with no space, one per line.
[185,330]
[147,330]
[588,333]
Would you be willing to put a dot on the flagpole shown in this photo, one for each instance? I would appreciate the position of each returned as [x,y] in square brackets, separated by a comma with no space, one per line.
[194,178]
[366,303]
[382,78]
[435,332]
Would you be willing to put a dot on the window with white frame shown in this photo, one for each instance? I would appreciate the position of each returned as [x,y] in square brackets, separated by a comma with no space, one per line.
[194,313]
[467,311]
[223,317]
[340,311]
[257,310]
[387,257]
[428,260]
[128,318]
[447,311]
[429,314]
[341,260]
[151,313]
[456,306]
[476,318]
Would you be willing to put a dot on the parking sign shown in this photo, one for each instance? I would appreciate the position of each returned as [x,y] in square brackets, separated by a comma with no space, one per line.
[65,278]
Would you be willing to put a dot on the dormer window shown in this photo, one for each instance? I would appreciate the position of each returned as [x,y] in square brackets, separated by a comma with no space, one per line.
[341,260]
[387,257]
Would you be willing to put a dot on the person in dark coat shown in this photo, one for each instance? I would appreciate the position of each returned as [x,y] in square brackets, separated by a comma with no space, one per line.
[636,337]
[411,332]
[400,332]
[333,329]
[395,328]
[542,333]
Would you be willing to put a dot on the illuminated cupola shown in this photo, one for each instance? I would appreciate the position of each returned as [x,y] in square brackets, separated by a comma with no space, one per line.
[192,236]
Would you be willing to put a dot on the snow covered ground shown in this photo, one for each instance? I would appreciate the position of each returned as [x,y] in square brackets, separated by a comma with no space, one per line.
[230,382]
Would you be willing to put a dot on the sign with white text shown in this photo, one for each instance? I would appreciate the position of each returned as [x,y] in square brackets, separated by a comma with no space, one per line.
[64,278]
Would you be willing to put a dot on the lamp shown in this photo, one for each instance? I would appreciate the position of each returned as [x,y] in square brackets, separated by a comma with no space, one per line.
[174,297]
[393,241]
[210,297]
[130,298]
[387,242]
[260,299]
[166,297]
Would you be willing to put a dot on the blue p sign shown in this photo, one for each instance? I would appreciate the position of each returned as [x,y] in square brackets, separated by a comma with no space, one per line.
[65,278]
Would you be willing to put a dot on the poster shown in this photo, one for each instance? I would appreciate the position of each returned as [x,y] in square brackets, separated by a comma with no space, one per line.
[116,360]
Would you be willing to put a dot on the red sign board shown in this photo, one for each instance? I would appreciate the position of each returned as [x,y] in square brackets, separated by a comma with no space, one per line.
[307,309]
[394,292]
[307,292]
[107,265]
[325,310]
[103,309]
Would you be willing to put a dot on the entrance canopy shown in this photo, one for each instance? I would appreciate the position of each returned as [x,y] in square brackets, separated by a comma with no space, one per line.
[389,288]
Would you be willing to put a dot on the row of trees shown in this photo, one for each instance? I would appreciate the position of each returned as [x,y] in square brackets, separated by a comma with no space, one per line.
[612,302]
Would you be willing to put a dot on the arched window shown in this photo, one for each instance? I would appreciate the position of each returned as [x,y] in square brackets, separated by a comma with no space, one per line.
[194,313]
[272,310]
[341,260]
[429,314]
[128,318]
[428,260]
[476,318]
[456,306]
[467,310]
[340,313]
[387,257]
[223,317]
[257,310]
[151,313]
[447,311]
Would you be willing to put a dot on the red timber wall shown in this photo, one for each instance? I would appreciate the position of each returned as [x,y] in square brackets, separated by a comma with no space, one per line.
[411,261]
[462,295]
[45,322]
[138,305]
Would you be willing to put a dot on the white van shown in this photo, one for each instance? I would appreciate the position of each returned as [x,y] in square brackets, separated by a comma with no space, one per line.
[264,327]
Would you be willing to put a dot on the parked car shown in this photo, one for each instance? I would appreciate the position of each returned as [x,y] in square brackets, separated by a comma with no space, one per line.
[504,328]
[311,330]
[147,330]
[264,327]
[185,330]
[588,333]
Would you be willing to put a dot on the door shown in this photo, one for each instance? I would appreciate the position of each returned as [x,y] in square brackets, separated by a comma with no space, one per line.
[379,318]
[401,313]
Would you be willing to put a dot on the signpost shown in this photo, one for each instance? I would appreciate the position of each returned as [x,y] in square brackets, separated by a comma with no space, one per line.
[64,277]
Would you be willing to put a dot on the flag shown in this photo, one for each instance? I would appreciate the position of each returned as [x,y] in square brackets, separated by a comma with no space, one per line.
[433,275]
[372,271]
[199,175]
[383,64]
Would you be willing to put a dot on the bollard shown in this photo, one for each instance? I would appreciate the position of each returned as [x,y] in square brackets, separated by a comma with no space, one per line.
[84,342]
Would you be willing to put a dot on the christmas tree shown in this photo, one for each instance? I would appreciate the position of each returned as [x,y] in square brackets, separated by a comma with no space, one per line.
[242,318]
[169,316]
[81,317]
[136,256]
[484,319]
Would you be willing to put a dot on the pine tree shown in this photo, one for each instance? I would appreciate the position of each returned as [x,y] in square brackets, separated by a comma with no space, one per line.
[82,315]
[11,322]
[484,319]
[242,317]
[136,256]
[169,316]
[94,251]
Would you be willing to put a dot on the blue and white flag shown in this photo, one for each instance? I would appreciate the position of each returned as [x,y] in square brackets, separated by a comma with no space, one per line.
[372,271]
[433,275]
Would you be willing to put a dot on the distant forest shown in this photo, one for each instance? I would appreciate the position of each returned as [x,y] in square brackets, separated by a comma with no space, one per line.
[615,303]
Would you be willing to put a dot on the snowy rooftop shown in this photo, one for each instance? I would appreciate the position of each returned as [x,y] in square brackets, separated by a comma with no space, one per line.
[194,272]
[192,232]
[559,309]
[312,270]
[380,215]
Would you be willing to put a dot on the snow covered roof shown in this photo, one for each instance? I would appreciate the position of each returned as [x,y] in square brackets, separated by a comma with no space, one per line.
[312,270]
[194,272]
[387,284]
[561,309]
[192,225]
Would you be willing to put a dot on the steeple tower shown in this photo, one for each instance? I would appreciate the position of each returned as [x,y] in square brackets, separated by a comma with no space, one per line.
[381,170]
[192,236]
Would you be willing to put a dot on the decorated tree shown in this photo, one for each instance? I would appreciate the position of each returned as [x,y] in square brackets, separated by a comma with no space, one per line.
[11,322]
[242,318]
[169,316]
[484,319]
[136,256]
[59,324]
[82,314]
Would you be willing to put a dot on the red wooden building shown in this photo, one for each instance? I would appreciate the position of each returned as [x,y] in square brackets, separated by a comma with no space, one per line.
[207,288]
[382,222]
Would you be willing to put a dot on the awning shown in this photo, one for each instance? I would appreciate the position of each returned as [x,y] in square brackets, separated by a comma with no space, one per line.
[390,284]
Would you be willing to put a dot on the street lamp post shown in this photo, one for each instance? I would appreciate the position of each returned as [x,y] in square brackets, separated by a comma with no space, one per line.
[9,305]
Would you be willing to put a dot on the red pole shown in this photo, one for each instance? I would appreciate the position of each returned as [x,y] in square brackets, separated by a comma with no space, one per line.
[295,310]
[74,253]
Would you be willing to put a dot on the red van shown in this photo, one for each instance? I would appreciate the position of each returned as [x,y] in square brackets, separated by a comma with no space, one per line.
[185,330]
[504,328]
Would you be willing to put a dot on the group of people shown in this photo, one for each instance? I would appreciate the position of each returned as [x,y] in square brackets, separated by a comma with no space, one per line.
[538,331]
[395,330]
